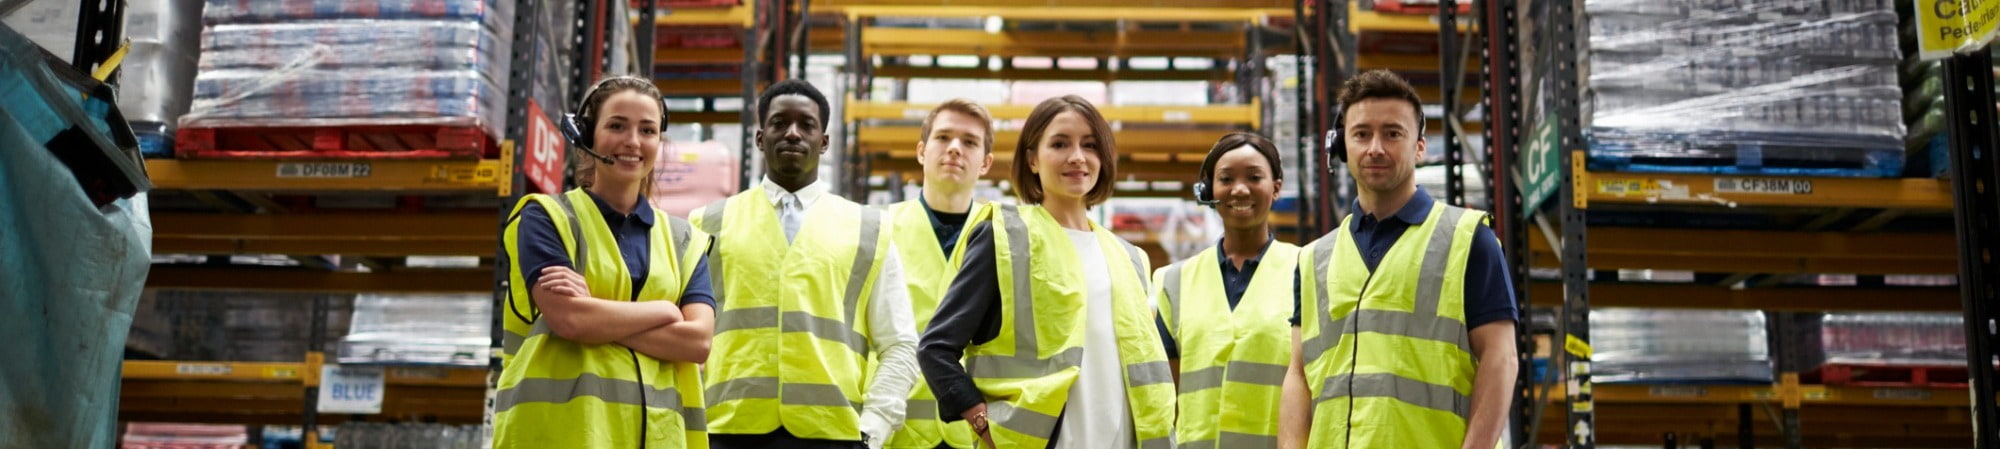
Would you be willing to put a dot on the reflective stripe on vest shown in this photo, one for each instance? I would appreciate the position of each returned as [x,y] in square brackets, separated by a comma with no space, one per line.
[557,393]
[1026,392]
[1396,368]
[790,360]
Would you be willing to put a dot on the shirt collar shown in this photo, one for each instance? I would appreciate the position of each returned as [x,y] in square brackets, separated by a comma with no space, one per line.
[1413,212]
[642,209]
[1223,256]
[808,195]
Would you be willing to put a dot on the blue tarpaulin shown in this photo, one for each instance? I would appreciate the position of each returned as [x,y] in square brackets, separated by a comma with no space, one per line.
[72,259]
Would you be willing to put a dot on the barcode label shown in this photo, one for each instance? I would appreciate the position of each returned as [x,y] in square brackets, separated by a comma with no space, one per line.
[1767,186]
[202,369]
[325,170]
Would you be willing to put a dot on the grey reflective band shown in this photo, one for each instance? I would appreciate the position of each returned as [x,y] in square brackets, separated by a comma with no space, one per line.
[510,342]
[711,223]
[1138,265]
[1406,324]
[1148,373]
[1237,371]
[581,260]
[680,229]
[1410,391]
[611,391]
[820,395]
[746,318]
[825,329]
[1437,252]
[1328,334]
[1173,288]
[920,409]
[1166,442]
[1230,440]
[864,260]
[1025,363]
[1021,366]
[742,388]
[1020,420]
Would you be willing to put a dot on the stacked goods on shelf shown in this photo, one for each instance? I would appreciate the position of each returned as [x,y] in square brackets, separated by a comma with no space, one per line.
[403,79]
[439,329]
[183,436]
[1679,346]
[1778,88]
[1909,349]
[691,175]
[157,78]
[231,326]
[1923,105]
[363,435]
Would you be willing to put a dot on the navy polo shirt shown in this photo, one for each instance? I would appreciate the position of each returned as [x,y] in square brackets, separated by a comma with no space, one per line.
[541,247]
[1489,293]
[945,224]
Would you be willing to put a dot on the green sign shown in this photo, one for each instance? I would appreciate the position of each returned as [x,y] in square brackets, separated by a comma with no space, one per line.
[1946,26]
[1539,169]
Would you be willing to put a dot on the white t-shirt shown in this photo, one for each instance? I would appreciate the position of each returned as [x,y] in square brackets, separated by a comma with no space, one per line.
[1098,415]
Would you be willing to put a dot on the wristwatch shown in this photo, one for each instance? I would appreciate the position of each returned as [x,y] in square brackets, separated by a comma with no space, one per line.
[978,422]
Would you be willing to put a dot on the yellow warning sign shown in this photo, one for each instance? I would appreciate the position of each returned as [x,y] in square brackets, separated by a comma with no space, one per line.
[1947,26]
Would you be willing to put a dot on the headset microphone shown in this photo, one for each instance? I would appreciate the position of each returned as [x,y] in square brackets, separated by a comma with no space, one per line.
[575,136]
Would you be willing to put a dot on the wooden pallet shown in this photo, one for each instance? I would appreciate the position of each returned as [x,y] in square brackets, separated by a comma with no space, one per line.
[1886,375]
[342,142]
[1428,9]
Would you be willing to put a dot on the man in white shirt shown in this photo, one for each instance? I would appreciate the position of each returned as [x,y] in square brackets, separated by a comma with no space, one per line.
[791,338]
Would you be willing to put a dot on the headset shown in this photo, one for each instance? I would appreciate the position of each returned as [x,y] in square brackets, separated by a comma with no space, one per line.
[1204,192]
[576,123]
[1336,138]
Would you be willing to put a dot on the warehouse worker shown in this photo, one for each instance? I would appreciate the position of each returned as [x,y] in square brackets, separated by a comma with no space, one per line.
[1223,312]
[1408,319]
[954,148]
[610,308]
[1049,311]
[809,289]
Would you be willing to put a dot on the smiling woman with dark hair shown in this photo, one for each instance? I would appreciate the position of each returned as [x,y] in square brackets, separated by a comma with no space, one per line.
[1049,311]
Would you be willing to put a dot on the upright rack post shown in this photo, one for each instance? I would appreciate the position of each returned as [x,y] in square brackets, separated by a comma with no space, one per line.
[1572,199]
[1451,68]
[1499,56]
[1968,83]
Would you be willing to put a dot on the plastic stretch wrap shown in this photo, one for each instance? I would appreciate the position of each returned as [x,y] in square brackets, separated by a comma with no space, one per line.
[361,435]
[402,44]
[1696,79]
[346,97]
[495,14]
[1894,338]
[158,73]
[419,329]
[1640,345]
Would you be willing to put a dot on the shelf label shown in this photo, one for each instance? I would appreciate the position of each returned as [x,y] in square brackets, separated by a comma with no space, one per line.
[281,372]
[1540,164]
[544,167]
[1176,116]
[1902,394]
[1677,392]
[462,174]
[1946,26]
[1765,186]
[325,170]
[350,389]
[202,369]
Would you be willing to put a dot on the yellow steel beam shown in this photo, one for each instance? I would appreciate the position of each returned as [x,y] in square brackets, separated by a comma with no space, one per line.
[1368,21]
[1020,74]
[1810,394]
[1205,115]
[1069,10]
[1778,252]
[354,226]
[700,88]
[1652,188]
[291,279]
[1800,299]
[881,139]
[915,41]
[231,371]
[1407,63]
[733,15]
[1183,171]
[722,117]
[355,175]
[364,248]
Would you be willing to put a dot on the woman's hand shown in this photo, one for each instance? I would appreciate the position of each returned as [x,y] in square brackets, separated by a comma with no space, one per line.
[976,417]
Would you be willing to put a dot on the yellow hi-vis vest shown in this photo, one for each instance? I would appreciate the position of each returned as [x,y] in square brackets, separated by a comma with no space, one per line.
[928,274]
[1386,353]
[1025,373]
[1233,363]
[556,393]
[792,334]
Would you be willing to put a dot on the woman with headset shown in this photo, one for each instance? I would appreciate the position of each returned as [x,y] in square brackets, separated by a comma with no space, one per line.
[1049,312]
[610,308]
[1225,313]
